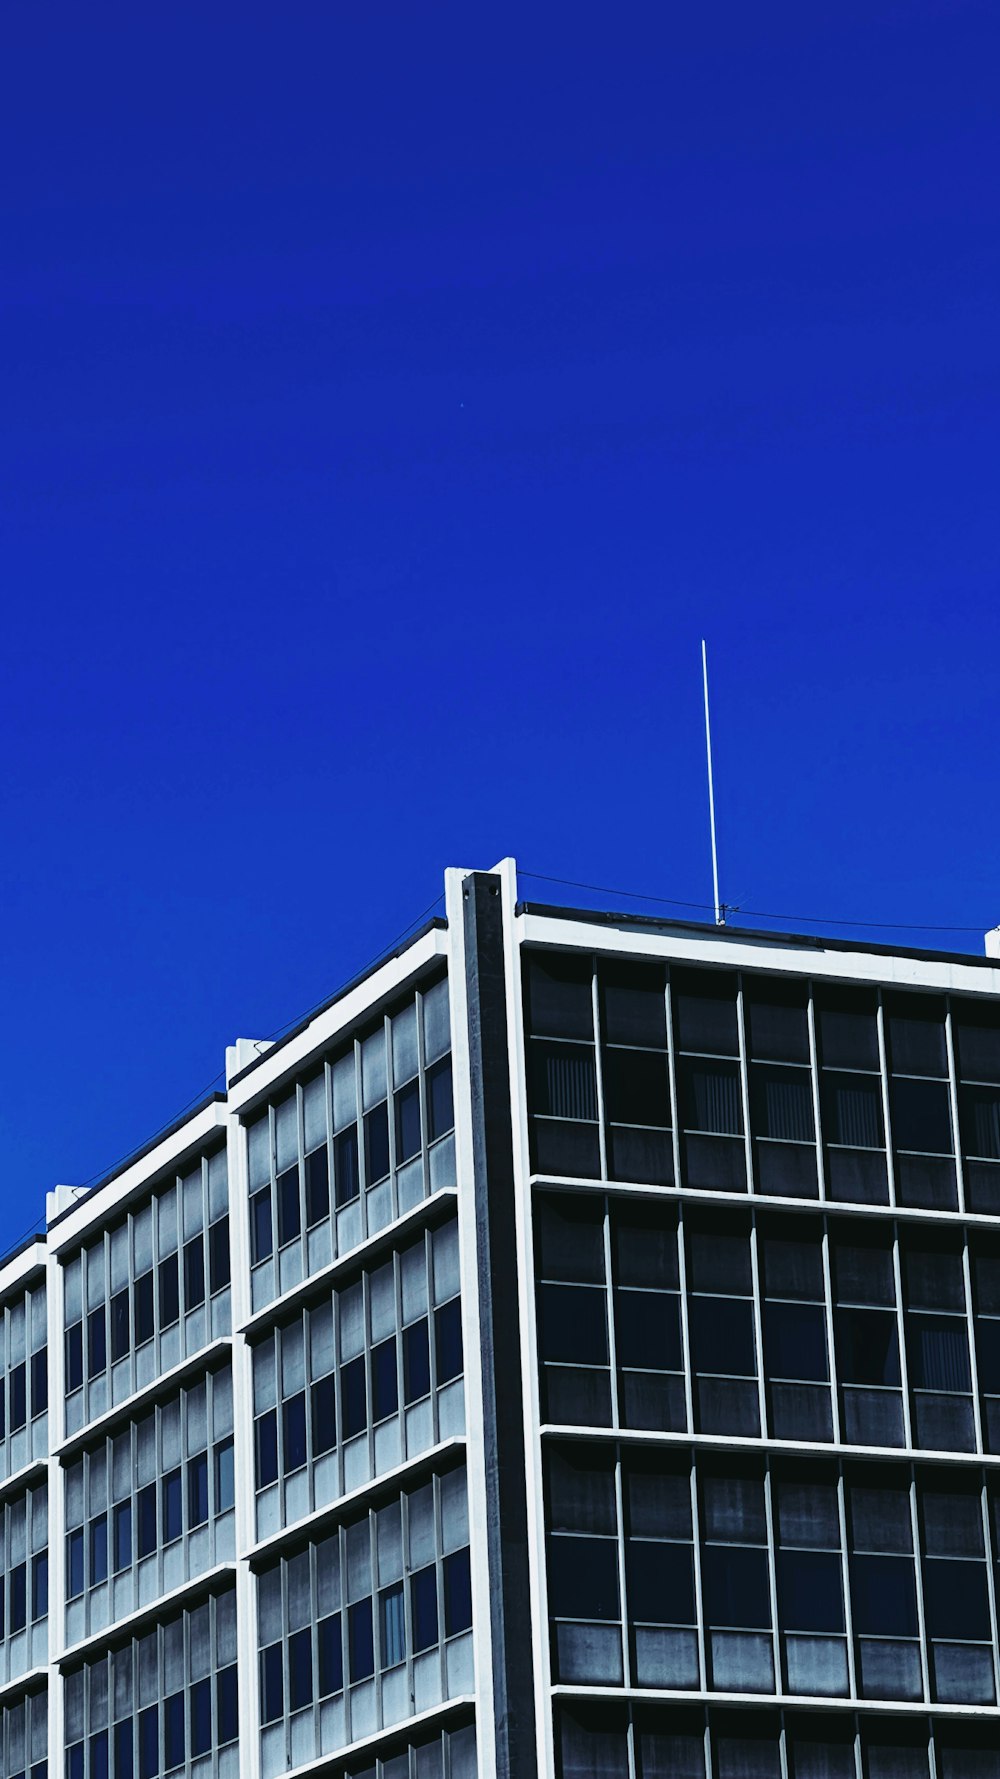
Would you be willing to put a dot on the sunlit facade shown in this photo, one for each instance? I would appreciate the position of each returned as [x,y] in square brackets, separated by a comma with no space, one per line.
[573,1351]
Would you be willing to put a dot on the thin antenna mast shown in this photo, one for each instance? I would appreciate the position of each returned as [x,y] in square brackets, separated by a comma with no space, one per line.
[720,913]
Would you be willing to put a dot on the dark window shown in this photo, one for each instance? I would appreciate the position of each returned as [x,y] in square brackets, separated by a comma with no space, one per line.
[261,1238]
[198,1490]
[722,1337]
[777,1021]
[637,1087]
[573,1324]
[124,1767]
[392,1626]
[146,1510]
[173,1731]
[324,1415]
[75,1761]
[448,1340]
[225,1479]
[170,1297]
[99,1755]
[583,1578]
[407,1104]
[867,1347]
[293,1428]
[563,1081]
[660,1580]
[852,1110]
[317,1185]
[735,1587]
[360,1640]
[39,1383]
[921,1116]
[848,1034]
[559,996]
[142,1308]
[353,1402]
[376,1143]
[569,1236]
[194,1273]
[74,1563]
[331,1655]
[781,1104]
[172,1506]
[345,1164]
[18,1397]
[39,1586]
[417,1362]
[120,1324]
[17,1603]
[227,1705]
[457,1593]
[99,1549]
[218,1255]
[633,1008]
[705,1011]
[149,1743]
[272,1683]
[710,1096]
[810,1590]
[201,1718]
[795,1341]
[385,1392]
[123,1536]
[915,1034]
[74,1356]
[300,1680]
[289,1207]
[440,1103]
[883,1595]
[423,1608]
[97,1354]
[648,1329]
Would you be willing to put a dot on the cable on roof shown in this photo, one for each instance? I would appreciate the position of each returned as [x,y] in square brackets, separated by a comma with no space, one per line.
[756,913]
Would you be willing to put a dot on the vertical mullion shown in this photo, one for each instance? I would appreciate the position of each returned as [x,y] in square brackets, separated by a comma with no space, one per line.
[366,1335]
[626,1639]
[845,1569]
[685,1333]
[919,1578]
[970,1326]
[598,1069]
[397,1307]
[699,1605]
[745,1094]
[814,1082]
[609,1310]
[390,1117]
[359,1101]
[331,1181]
[300,1169]
[991,1587]
[883,1067]
[904,1370]
[949,1038]
[831,1330]
[758,1325]
[772,1577]
[675,1129]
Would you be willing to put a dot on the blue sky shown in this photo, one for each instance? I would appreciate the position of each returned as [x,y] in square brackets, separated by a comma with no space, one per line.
[394,396]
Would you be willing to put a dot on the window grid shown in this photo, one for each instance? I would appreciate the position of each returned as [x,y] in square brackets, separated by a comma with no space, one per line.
[936,1359]
[24,1737]
[625,1740]
[159,1703]
[24,1383]
[603,1581]
[573,1126]
[147,1291]
[150,1506]
[356,1382]
[352,1640]
[24,1582]
[353,1146]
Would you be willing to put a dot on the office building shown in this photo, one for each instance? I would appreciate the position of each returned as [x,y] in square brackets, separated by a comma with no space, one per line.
[572,1351]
